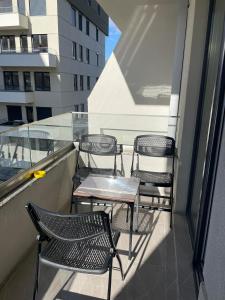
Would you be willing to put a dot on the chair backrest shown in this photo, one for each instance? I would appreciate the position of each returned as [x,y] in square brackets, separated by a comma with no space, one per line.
[98,144]
[154,145]
[70,228]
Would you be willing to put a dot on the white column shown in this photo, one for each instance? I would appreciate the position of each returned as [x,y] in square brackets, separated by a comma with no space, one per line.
[18,46]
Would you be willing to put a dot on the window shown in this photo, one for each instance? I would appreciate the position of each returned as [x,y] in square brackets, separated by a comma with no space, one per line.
[99,10]
[40,42]
[8,43]
[74,50]
[87,27]
[88,83]
[11,80]
[6,6]
[14,112]
[81,52]
[75,82]
[42,81]
[82,107]
[44,112]
[27,81]
[74,15]
[80,22]
[97,34]
[81,82]
[23,43]
[89,2]
[38,8]
[76,108]
[97,59]
[87,55]
[30,114]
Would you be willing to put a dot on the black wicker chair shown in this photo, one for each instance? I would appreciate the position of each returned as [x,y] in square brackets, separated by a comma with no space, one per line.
[101,145]
[155,146]
[81,243]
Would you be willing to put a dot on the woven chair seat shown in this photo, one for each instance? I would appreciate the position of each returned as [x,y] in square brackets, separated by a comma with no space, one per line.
[87,256]
[155,178]
[83,173]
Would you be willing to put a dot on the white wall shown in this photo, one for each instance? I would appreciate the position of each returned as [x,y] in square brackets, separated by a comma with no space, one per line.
[137,78]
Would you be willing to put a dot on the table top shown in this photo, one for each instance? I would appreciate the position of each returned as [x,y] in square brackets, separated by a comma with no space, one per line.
[117,188]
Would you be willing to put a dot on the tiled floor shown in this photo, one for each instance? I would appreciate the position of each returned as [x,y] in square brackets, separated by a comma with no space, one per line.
[160,269]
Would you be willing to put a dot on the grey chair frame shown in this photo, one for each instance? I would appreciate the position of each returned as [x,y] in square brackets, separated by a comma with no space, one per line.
[117,150]
[47,233]
[156,151]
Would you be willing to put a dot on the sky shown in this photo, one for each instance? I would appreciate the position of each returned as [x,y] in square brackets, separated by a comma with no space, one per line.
[112,39]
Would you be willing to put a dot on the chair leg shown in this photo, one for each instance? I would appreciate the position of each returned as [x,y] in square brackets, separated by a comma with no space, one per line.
[127,214]
[120,264]
[111,220]
[171,203]
[71,201]
[36,272]
[110,281]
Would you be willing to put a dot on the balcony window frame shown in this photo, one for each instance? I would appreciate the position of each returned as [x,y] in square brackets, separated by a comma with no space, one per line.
[87,27]
[81,82]
[88,56]
[44,87]
[27,83]
[40,48]
[88,83]
[96,34]
[75,82]
[81,55]
[80,21]
[11,43]
[74,50]
[14,80]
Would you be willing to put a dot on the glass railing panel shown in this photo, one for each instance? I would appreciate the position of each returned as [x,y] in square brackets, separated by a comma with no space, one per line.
[14,152]
[124,127]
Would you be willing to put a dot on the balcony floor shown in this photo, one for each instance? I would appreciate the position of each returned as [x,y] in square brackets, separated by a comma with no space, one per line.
[160,270]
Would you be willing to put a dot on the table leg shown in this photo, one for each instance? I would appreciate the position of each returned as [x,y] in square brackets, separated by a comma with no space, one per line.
[131,229]
[137,210]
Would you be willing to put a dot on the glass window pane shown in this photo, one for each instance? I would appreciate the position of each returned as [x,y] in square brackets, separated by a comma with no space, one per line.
[44,112]
[81,52]
[23,43]
[87,27]
[38,8]
[27,81]
[80,22]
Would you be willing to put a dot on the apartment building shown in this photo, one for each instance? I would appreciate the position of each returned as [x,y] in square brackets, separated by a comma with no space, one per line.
[51,55]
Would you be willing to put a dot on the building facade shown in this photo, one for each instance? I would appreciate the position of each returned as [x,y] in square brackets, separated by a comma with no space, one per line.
[52,53]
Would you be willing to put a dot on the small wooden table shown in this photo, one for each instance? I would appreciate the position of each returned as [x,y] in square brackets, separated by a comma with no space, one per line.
[112,189]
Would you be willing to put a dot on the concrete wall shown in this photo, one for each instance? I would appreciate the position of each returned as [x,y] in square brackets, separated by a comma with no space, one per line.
[137,78]
[17,232]
[189,96]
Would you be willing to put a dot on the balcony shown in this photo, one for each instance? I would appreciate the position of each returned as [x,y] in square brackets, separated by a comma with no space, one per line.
[30,58]
[161,265]
[16,96]
[12,18]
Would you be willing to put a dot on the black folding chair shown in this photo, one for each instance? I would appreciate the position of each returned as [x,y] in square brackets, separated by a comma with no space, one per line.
[155,146]
[100,145]
[80,243]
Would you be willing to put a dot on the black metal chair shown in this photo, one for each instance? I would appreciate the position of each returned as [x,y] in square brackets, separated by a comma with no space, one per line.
[155,146]
[80,243]
[101,145]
